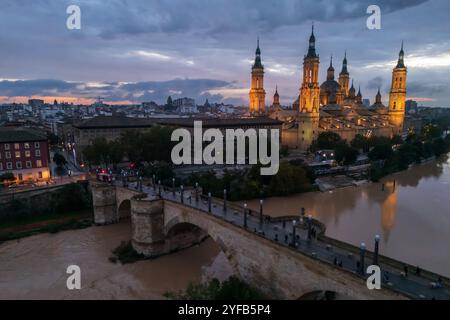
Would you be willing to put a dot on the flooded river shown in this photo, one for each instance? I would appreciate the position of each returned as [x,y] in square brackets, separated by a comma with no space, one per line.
[412,218]
[35,267]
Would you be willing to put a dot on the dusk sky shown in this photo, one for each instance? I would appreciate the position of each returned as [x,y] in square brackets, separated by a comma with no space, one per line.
[143,50]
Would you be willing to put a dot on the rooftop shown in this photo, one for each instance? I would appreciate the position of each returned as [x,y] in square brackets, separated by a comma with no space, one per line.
[18,134]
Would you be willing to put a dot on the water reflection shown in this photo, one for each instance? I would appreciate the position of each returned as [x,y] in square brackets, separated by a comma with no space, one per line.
[411,214]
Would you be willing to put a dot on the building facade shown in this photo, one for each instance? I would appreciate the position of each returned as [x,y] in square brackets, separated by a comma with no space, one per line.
[25,153]
[335,105]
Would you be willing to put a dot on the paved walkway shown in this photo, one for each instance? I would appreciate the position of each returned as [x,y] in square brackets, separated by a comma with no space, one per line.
[414,286]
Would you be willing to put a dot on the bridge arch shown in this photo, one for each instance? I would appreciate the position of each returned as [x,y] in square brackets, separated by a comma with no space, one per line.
[124,210]
[181,226]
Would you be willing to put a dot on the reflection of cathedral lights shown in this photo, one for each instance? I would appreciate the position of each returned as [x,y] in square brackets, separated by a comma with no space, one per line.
[388,211]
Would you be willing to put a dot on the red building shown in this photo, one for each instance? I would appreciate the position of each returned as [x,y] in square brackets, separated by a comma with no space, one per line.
[25,153]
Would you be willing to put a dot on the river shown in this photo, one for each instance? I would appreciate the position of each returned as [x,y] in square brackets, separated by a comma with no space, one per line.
[412,218]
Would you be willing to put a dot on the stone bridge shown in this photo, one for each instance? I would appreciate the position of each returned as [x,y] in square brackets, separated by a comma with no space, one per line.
[162,224]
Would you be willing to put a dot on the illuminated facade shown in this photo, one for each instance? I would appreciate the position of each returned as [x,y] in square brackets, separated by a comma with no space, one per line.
[333,105]
[397,96]
[257,93]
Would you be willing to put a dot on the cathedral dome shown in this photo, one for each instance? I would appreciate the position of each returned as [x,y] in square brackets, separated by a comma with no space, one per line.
[330,86]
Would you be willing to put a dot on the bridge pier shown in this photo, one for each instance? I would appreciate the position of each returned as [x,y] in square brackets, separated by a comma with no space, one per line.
[105,203]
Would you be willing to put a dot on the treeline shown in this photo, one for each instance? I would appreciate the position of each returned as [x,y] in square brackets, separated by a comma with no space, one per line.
[70,198]
[388,155]
[136,146]
[291,178]
[388,159]
[230,289]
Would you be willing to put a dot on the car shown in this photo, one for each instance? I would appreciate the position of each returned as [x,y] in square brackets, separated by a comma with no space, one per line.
[13,186]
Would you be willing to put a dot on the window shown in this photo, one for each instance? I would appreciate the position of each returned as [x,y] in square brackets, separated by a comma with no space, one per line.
[7,155]
[27,154]
[17,154]
[20,176]
[26,145]
[38,163]
[16,146]
[19,165]
[40,174]
[36,145]
[28,164]
[9,165]
[37,153]
[1,166]
[7,146]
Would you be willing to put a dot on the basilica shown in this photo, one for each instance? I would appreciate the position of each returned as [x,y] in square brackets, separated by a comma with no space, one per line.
[333,105]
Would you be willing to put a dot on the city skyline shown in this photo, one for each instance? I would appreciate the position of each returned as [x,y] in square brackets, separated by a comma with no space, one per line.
[145,52]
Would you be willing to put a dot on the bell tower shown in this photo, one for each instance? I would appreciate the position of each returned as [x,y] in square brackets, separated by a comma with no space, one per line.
[309,99]
[257,93]
[344,78]
[397,96]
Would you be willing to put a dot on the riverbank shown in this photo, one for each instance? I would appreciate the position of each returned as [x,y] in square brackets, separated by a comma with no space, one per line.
[49,223]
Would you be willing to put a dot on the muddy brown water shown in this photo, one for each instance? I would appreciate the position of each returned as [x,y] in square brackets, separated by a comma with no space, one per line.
[413,220]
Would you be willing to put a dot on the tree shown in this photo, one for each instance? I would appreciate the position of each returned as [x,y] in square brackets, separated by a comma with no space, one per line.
[345,154]
[59,160]
[381,152]
[7,176]
[326,140]
[360,142]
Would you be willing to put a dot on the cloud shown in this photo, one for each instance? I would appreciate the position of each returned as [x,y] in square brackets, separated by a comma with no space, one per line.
[158,91]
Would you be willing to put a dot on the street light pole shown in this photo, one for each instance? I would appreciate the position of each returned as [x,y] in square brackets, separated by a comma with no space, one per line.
[182,193]
[196,192]
[225,201]
[261,213]
[159,188]
[245,215]
[377,245]
[362,256]
[209,201]
[309,226]
[293,233]
[173,187]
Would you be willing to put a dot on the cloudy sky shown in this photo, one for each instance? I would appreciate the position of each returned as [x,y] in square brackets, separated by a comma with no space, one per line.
[142,50]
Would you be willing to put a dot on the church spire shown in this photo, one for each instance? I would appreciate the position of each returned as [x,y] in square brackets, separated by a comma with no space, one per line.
[330,71]
[312,45]
[401,58]
[344,64]
[378,97]
[258,64]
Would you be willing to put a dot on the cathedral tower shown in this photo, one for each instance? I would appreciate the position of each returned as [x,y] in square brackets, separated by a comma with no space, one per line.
[276,100]
[397,95]
[344,77]
[309,99]
[310,90]
[257,92]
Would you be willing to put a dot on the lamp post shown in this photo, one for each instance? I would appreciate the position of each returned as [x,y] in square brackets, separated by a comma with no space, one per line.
[375,255]
[196,192]
[173,187]
[245,215]
[140,184]
[182,193]
[154,182]
[261,202]
[209,201]
[225,201]
[362,253]
[159,188]
[293,233]
[309,226]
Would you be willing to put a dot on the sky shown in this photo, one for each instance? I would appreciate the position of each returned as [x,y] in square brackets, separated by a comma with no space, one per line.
[145,50]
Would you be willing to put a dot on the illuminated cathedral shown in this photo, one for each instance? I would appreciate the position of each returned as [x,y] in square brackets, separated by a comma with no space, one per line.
[331,106]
